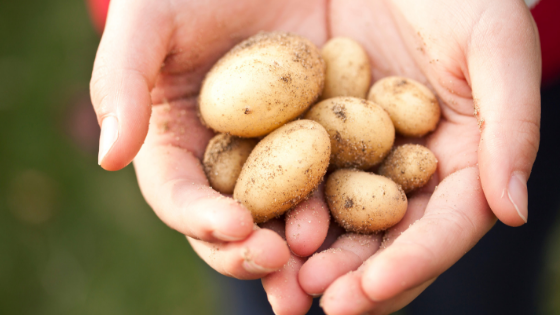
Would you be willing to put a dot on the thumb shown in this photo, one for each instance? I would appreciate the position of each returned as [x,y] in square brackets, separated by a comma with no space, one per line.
[504,65]
[128,60]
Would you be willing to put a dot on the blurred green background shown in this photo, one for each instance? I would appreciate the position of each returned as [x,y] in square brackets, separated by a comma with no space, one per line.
[75,239]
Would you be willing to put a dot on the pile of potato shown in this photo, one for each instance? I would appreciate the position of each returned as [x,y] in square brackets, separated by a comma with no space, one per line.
[275,143]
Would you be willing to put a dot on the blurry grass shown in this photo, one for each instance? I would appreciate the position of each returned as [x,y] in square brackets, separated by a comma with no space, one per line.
[74,239]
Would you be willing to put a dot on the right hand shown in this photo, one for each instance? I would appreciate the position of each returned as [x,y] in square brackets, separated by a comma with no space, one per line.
[479,56]
[147,74]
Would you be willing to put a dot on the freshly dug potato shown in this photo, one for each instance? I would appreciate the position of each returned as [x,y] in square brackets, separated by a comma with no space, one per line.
[364,202]
[409,165]
[348,69]
[223,160]
[261,84]
[413,108]
[283,169]
[361,132]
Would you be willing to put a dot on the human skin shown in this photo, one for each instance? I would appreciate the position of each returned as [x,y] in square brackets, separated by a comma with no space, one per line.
[478,56]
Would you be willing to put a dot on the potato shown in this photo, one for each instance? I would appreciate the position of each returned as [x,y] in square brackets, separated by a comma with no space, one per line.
[409,165]
[361,132]
[413,108]
[348,70]
[223,160]
[261,84]
[283,169]
[364,202]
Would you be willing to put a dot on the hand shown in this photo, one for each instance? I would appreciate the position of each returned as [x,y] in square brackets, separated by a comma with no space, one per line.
[141,35]
[147,74]
[480,57]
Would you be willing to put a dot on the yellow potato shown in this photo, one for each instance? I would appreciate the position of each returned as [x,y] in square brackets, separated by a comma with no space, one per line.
[364,202]
[261,84]
[413,108]
[283,169]
[223,160]
[348,70]
[409,165]
[361,132]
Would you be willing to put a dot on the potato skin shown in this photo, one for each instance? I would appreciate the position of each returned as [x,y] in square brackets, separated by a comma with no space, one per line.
[223,159]
[262,83]
[283,169]
[361,132]
[348,69]
[413,108]
[409,165]
[363,202]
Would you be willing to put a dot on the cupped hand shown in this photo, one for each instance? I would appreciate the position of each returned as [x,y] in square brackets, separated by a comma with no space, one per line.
[482,58]
[147,74]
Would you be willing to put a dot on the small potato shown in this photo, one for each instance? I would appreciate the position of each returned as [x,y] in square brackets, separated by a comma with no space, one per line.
[261,84]
[364,202]
[283,169]
[409,165]
[361,132]
[348,70]
[413,108]
[223,160]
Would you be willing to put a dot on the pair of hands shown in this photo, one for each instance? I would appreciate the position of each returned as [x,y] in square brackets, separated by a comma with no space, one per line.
[479,56]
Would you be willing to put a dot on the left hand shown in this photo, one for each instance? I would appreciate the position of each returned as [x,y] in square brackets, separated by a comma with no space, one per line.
[479,56]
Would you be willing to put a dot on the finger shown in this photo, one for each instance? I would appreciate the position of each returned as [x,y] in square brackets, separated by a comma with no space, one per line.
[334,232]
[263,252]
[174,184]
[456,217]
[307,224]
[400,301]
[283,290]
[346,297]
[416,206]
[345,255]
[505,70]
[124,72]
[351,250]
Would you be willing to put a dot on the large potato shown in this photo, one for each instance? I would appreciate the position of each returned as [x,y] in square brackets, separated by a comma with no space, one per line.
[409,165]
[364,202]
[283,169]
[262,83]
[223,160]
[361,132]
[348,70]
[413,108]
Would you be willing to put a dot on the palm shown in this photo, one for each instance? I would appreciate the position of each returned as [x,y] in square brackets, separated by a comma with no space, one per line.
[168,166]
[447,223]
[454,143]
[402,37]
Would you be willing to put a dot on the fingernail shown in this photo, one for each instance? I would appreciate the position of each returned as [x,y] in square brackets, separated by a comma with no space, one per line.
[226,238]
[109,134]
[250,265]
[517,194]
